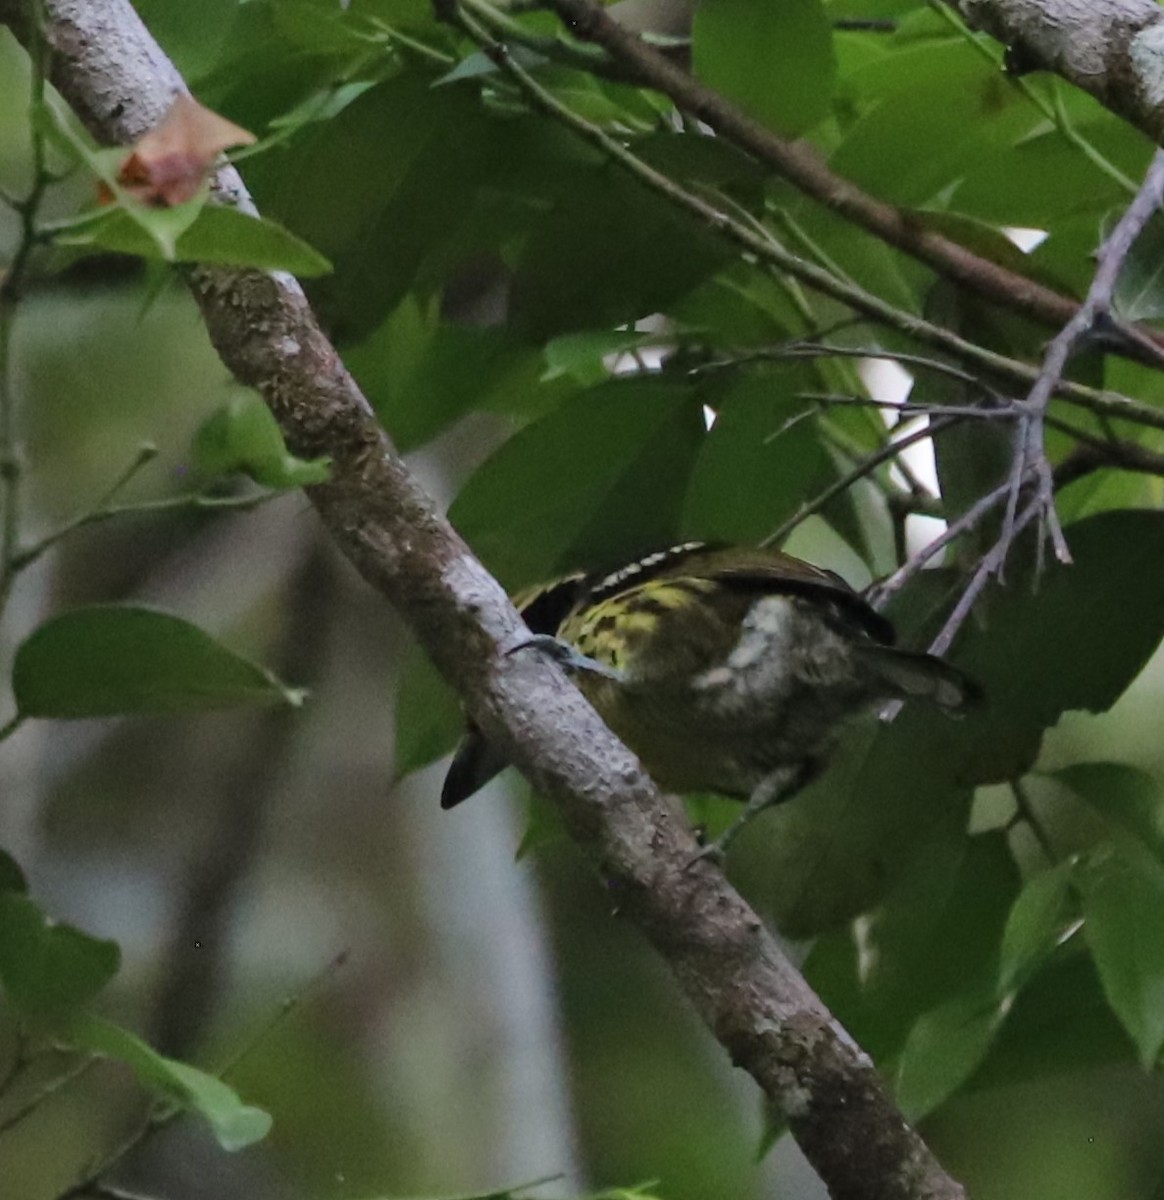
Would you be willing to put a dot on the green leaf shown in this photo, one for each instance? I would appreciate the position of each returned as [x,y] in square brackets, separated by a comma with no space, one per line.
[1059,1022]
[918,117]
[46,967]
[236,1125]
[762,459]
[234,238]
[1139,292]
[597,481]
[193,35]
[944,1048]
[933,939]
[1035,926]
[652,254]
[1126,797]
[243,436]
[1123,911]
[385,189]
[11,876]
[581,356]
[422,372]
[196,232]
[1076,640]
[774,60]
[114,660]
[429,718]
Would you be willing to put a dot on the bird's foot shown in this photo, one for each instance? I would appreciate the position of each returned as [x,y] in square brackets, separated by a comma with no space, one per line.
[568,657]
[715,852]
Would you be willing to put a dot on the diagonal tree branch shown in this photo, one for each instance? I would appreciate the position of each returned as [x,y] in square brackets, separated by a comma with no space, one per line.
[119,82]
[799,164]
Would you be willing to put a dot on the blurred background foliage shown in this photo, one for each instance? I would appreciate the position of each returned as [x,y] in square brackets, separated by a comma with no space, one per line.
[584,373]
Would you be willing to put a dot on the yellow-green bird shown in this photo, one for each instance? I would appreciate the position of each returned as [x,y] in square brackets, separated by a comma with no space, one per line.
[728,669]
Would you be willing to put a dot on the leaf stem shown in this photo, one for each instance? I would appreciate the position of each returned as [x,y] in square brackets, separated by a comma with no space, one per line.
[11,289]
[186,502]
[46,1093]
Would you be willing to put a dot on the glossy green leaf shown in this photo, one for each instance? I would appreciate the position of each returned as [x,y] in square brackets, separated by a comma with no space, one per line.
[1035,925]
[46,967]
[1059,1022]
[192,35]
[762,460]
[1126,797]
[236,1125]
[116,660]
[11,876]
[582,356]
[936,126]
[1076,640]
[429,719]
[1123,909]
[422,373]
[1139,292]
[652,253]
[944,1048]
[601,477]
[243,436]
[194,232]
[384,191]
[774,60]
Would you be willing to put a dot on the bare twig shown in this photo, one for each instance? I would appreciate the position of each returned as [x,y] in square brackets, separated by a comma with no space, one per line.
[860,470]
[1104,404]
[1030,454]
[988,567]
[882,592]
[46,1092]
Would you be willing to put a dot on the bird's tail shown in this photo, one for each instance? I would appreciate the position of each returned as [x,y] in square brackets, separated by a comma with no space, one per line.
[911,676]
[474,764]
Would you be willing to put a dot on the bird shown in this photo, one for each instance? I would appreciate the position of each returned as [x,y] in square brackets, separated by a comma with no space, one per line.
[725,668]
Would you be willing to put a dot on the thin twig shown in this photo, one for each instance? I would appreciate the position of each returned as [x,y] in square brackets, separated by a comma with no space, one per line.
[188,502]
[988,567]
[863,468]
[882,592]
[1030,451]
[46,1092]
[1104,404]
[910,408]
